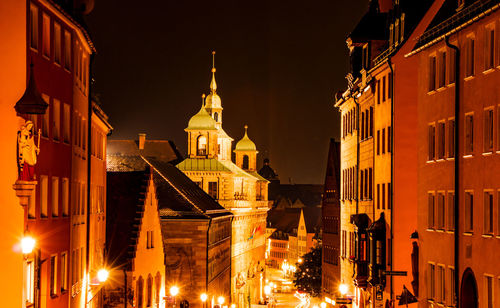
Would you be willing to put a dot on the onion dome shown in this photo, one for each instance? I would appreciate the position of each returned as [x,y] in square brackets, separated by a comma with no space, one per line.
[202,120]
[245,144]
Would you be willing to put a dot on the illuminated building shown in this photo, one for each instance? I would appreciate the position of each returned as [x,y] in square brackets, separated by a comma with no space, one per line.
[237,187]
[378,157]
[193,230]
[458,161]
[331,222]
[48,37]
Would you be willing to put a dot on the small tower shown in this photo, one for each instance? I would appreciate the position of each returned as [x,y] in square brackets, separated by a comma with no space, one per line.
[213,101]
[202,134]
[246,153]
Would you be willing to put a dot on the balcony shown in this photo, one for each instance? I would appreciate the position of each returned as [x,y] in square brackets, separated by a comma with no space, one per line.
[361,274]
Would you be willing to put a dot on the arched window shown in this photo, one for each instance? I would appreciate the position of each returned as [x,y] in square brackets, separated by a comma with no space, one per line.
[245,162]
[158,287]
[149,300]
[140,292]
[216,117]
[201,145]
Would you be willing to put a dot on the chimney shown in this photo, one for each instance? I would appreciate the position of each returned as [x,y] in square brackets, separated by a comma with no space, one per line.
[142,141]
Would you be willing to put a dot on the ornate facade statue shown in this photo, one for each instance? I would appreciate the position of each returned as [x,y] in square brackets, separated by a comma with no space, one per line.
[27,151]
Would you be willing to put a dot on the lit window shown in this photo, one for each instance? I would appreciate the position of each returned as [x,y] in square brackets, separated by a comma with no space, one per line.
[488,130]
[30,282]
[469,212]
[46,35]
[57,43]
[55,196]
[201,146]
[33,26]
[469,134]
[488,212]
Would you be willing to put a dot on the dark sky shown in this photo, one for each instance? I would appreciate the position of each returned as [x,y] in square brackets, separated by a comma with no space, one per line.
[278,63]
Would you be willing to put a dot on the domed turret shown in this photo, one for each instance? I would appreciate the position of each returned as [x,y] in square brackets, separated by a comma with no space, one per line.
[245,144]
[202,120]
[246,153]
[213,101]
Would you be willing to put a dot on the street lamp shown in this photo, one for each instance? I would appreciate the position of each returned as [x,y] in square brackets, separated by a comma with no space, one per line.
[174,290]
[102,275]
[267,290]
[220,300]
[322,305]
[27,244]
[203,298]
[343,288]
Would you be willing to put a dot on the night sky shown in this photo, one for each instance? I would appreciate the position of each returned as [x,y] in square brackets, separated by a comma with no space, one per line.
[278,63]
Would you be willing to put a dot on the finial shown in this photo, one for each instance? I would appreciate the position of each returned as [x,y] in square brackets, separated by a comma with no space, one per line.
[203,100]
[213,84]
[246,129]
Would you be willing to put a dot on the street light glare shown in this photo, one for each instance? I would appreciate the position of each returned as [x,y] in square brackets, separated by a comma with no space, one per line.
[203,297]
[102,275]
[343,288]
[174,290]
[267,290]
[323,305]
[220,300]
[27,244]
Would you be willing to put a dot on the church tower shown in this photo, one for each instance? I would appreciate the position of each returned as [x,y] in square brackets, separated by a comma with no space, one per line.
[202,134]
[246,153]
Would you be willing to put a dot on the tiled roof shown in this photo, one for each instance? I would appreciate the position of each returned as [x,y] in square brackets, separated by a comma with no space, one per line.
[124,155]
[309,194]
[212,164]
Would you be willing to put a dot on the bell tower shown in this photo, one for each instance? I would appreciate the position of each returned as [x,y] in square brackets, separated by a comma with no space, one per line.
[213,101]
[246,153]
[202,134]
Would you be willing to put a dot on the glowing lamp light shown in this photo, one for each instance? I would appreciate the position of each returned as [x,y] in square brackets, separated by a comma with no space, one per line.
[203,297]
[27,244]
[174,290]
[315,306]
[267,290]
[322,305]
[233,306]
[220,300]
[102,275]
[343,288]
[299,260]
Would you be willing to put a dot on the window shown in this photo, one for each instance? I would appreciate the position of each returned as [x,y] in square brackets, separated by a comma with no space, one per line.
[56,118]
[441,278]
[32,204]
[488,130]
[442,69]
[432,282]
[370,183]
[469,211]
[451,138]
[57,43]
[488,212]
[45,117]
[440,211]
[84,72]
[389,139]
[432,73]
[383,140]
[469,59]
[212,189]
[201,145]
[430,211]
[64,271]
[488,292]
[33,26]
[371,122]
[451,211]
[361,186]
[46,35]
[30,282]
[378,142]
[384,88]
[55,197]
[67,50]
[378,91]
[452,65]
[363,128]
[44,194]
[149,299]
[53,275]
[489,53]
[140,292]
[389,196]
[245,162]
[66,123]
[441,140]
[469,134]
[383,196]
[452,286]
[432,142]
[498,213]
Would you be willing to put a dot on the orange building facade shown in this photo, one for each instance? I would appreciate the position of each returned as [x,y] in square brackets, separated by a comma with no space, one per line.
[458,157]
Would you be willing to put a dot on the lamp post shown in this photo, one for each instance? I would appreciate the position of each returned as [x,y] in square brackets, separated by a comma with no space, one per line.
[174,290]
[220,300]
[204,298]
[343,288]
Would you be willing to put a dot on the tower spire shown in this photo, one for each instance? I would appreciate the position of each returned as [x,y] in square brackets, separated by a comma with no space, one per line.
[203,100]
[213,84]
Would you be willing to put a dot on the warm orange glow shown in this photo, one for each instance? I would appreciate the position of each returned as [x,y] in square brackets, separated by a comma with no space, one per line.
[27,244]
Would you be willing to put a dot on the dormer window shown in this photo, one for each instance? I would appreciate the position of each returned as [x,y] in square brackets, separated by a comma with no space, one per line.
[201,146]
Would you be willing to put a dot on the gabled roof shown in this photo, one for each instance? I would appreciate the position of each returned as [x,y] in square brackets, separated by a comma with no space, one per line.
[309,194]
[286,220]
[125,196]
[125,155]
[372,26]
